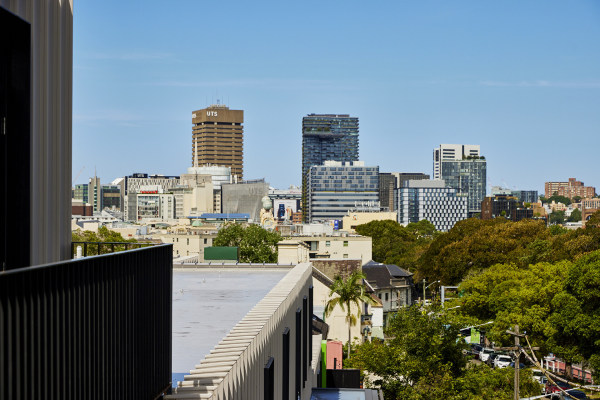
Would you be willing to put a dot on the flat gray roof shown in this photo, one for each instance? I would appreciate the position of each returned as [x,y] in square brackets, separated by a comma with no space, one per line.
[208,302]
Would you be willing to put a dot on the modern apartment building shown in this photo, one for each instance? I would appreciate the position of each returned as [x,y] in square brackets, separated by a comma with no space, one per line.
[390,181]
[336,187]
[452,152]
[431,200]
[218,138]
[524,196]
[572,188]
[327,137]
[463,168]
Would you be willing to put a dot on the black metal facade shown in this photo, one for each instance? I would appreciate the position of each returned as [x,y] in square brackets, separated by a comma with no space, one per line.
[93,328]
[15,141]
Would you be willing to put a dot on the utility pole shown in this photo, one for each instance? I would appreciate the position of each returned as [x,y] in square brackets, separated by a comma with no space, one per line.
[423,291]
[517,350]
[517,362]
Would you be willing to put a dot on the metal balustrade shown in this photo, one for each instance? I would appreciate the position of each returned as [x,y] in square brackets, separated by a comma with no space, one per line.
[93,328]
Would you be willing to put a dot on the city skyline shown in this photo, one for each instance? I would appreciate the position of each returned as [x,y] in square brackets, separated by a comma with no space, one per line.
[516,79]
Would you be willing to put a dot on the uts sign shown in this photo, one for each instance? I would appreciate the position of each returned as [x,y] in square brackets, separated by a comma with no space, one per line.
[211,113]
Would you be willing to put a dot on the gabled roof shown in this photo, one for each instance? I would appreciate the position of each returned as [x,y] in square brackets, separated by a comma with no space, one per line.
[381,274]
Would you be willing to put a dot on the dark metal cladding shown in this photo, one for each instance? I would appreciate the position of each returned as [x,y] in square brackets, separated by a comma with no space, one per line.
[92,328]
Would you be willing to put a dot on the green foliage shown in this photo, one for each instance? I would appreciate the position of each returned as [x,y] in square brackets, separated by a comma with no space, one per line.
[346,292]
[575,216]
[559,199]
[396,244]
[104,235]
[257,245]
[474,244]
[557,217]
[423,359]
[557,304]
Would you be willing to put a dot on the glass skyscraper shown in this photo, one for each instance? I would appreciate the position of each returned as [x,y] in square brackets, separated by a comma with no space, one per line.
[468,177]
[464,169]
[327,137]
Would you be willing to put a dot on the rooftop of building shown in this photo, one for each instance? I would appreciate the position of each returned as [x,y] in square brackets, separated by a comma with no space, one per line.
[382,274]
[225,295]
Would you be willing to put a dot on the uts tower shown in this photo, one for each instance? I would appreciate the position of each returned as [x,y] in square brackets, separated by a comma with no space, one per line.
[218,138]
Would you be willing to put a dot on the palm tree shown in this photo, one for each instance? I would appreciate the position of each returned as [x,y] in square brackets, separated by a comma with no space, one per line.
[349,291]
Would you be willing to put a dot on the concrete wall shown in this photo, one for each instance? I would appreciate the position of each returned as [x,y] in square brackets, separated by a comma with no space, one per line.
[234,368]
[244,198]
[292,252]
[333,268]
[51,118]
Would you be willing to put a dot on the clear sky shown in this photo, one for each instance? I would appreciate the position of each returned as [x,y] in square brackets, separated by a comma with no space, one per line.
[521,79]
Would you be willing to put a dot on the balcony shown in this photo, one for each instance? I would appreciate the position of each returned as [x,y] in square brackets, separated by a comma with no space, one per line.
[92,328]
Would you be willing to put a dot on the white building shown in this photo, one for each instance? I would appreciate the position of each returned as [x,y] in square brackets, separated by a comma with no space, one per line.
[430,200]
[452,152]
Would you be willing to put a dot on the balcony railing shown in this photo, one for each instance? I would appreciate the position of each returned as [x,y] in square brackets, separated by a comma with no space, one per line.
[92,328]
[98,248]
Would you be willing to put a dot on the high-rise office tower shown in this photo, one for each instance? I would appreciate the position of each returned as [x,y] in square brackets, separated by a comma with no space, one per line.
[464,169]
[327,137]
[218,138]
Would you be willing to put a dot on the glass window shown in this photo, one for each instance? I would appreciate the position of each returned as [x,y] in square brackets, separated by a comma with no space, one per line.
[345,243]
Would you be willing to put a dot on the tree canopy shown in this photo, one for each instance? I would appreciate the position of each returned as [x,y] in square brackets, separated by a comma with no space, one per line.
[423,359]
[256,244]
[103,235]
[557,304]
[396,244]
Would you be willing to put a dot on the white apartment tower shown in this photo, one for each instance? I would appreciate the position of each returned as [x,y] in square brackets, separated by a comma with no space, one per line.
[452,152]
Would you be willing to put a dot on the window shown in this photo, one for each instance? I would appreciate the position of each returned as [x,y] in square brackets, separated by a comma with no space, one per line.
[386,297]
[205,240]
[345,255]
[345,243]
[188,242]
[327,243]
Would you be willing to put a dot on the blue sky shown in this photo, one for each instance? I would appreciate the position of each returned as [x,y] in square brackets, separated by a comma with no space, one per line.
[522,79]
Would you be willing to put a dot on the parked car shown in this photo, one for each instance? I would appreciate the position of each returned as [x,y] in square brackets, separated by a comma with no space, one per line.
[502,361]
[484,354]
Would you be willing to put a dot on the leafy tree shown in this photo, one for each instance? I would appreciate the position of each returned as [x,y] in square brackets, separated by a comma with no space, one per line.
[575,216]
[396,244]
[256,244]
[559,199]
[543,199]
[557,304]
[473,244]
[575,321]
[422,359]
[346,292]
[577,199]
[557,217]
[103,235]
